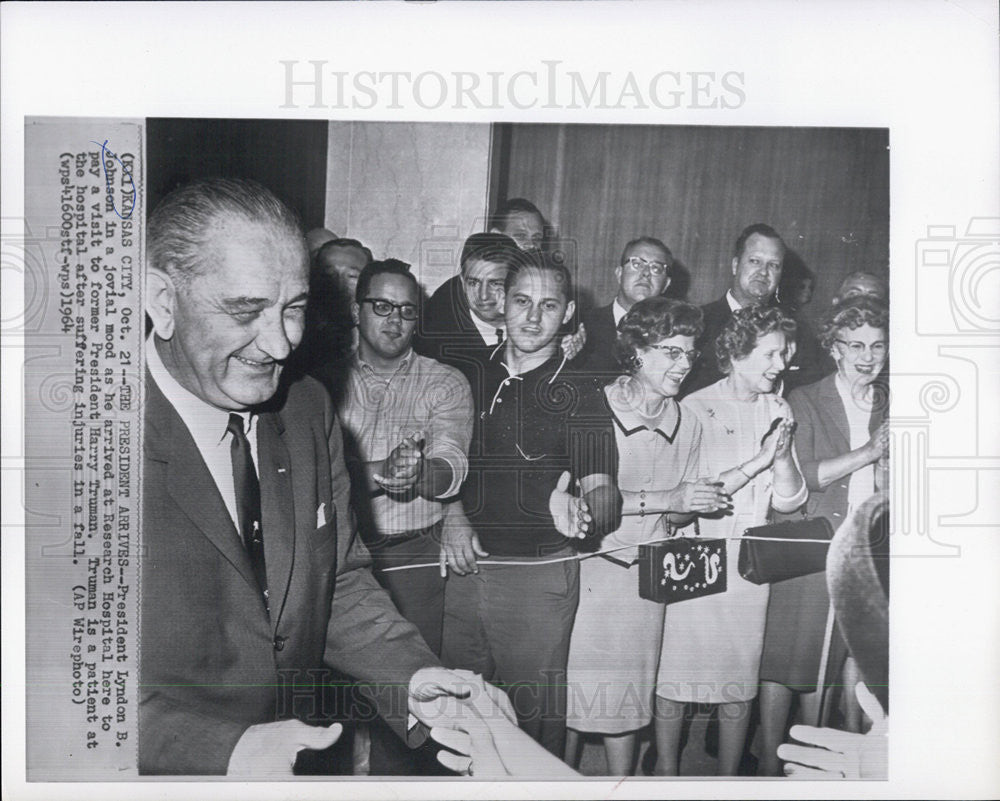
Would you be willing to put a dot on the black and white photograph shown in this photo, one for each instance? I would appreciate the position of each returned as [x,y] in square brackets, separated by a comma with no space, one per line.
[502,426]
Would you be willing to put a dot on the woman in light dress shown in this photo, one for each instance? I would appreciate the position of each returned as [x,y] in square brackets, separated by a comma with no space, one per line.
[712,645]
[615,643]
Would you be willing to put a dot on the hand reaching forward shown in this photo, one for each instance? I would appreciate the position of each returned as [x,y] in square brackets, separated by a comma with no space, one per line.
[488,746]
[269,749]
[438,696]
[570,515]
[833,754]
[404,465]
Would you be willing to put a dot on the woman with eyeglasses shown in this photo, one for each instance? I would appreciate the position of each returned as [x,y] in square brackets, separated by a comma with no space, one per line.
[712,645]
[615,643]
[842,445]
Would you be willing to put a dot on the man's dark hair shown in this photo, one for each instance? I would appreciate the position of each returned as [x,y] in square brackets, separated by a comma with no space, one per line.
[498,248]
[542,263]
[516,205]
[764,230]
[343,242]
[384,267]
[181,227]
[652,241]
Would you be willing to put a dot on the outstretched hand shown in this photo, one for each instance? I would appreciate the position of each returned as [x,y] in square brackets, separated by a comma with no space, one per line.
[834,754]
[404,465]
[570,515]
[270,749]
[438,697]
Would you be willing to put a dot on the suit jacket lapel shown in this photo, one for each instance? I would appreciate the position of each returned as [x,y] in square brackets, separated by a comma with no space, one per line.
[189,481]
[277,508]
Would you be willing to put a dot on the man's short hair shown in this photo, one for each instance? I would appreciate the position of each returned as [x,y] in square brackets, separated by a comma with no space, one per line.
[763,230]
[516,205]
[498,248]
[542,263]
[182,224]
[384,267]
[652,241]
[342,242]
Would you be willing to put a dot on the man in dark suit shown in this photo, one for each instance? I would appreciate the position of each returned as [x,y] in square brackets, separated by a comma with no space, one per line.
[642,272]
[253,580]
[465,314]
[758,257]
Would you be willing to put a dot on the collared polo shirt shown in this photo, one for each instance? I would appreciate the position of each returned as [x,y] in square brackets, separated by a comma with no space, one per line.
[529,429]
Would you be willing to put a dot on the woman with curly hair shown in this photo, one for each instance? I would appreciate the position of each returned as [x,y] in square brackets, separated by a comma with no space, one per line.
[615,643]
[712,645]
[841,443]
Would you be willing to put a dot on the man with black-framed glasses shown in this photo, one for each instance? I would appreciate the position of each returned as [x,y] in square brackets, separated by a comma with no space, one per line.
[643,271]
[409,420]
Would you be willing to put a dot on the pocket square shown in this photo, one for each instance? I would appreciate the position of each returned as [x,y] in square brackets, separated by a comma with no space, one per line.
[321,515]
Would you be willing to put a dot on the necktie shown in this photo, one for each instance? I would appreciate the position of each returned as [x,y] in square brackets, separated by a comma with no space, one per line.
[499,336]
[247,499]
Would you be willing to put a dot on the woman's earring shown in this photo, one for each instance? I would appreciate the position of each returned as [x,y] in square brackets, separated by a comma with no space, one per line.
[638,363]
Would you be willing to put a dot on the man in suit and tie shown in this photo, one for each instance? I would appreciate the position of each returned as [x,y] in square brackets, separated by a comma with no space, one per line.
[465,314]
[643,271]
[253,579]
[758,258]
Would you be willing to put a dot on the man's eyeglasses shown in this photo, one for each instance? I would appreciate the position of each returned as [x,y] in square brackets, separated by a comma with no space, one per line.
[674,354]
[638,264]
[384,308]
[857,349]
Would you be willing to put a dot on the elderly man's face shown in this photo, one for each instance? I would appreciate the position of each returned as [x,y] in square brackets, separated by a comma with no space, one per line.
[234,326]
[757,270]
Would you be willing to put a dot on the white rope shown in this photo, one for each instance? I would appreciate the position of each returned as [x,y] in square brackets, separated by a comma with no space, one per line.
[582,556]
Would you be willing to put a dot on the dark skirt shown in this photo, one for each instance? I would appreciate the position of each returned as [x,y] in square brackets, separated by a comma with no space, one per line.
[794,635]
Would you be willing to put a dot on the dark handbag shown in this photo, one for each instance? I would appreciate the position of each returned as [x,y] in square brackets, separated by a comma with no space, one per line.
[682,568]
[763,562]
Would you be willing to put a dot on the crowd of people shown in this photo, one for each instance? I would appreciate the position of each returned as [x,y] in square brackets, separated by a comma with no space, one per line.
[502,454]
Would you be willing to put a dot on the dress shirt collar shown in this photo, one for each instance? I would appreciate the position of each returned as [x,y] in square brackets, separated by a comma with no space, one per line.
[618,311]
[368,369]
[488,331]
[734,304]
[206,423]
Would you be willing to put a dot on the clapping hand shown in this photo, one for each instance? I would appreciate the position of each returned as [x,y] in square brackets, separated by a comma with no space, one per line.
[777,443]
[404,465]
[833,754]
[570,514]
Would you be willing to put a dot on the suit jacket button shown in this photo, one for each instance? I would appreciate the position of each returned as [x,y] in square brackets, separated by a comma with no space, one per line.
[279,643]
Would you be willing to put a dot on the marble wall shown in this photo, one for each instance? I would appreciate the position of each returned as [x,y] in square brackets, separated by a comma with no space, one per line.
[411,191]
